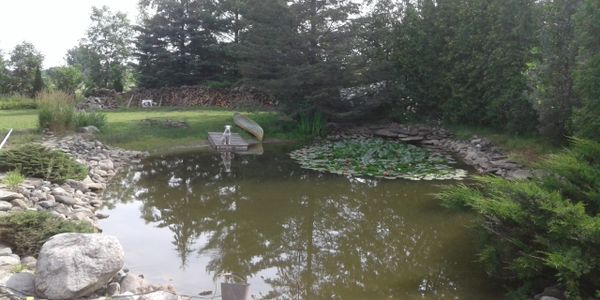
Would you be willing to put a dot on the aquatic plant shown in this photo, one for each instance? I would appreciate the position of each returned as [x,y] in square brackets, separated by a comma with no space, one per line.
[377,157]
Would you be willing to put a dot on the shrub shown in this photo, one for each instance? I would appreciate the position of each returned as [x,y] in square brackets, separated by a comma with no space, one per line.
[38,161]
[17,102]
[536,231]
[83,119]
[13,179]
[26,232]
[57,111]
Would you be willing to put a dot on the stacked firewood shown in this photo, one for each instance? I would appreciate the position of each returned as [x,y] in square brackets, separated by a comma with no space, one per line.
[199,96]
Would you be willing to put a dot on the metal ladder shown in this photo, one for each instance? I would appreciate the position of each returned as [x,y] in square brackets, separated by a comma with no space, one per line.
[6,138]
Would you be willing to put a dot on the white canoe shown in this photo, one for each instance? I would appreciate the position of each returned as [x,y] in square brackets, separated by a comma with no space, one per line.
[248,125]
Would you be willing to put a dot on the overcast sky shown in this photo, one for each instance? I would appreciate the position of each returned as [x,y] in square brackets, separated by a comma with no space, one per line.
[53,26]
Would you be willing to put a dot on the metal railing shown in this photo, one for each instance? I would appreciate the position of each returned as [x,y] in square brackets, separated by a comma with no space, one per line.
[6,138]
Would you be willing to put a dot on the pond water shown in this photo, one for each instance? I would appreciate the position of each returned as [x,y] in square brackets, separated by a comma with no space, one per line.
[185,219]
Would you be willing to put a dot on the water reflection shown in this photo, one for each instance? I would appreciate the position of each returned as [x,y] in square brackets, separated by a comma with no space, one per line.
[306,235]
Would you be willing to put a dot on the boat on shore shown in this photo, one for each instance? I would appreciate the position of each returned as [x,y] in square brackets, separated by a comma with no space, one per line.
[249,126]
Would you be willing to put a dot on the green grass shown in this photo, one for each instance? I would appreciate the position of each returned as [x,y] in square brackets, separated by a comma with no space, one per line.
[25,119]
[524,149]
[125,129]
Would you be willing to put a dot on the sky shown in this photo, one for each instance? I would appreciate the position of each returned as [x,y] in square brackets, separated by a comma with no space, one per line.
[52,26]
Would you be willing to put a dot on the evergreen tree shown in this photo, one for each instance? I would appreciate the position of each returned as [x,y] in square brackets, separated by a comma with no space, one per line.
[297,50]
[177,43]
[486,56]
[4,76]
[556,97]
[38,82]
[587,72]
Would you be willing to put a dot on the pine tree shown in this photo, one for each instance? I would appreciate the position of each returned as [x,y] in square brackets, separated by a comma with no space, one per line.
[587,73]
[556,97]
[297,50]
[38,82]
[177,44]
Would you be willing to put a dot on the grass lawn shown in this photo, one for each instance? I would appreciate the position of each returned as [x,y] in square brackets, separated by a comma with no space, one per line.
[125,129]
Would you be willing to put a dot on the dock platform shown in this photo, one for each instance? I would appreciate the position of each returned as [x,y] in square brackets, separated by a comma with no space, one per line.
[236,143]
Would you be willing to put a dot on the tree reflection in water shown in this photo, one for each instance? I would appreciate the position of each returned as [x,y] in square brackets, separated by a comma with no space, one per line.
[319,235]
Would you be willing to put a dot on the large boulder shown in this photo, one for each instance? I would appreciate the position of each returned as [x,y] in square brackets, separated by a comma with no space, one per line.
[73,265]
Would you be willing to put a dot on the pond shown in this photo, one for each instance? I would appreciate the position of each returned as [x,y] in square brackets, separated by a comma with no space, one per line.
[292,233]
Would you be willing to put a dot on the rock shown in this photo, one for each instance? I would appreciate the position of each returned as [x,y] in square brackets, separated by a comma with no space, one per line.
[29,262]
[385,133]
[5,250]
[518,174]
[47,204]
[93,186]
[113,288]
[100,215]
[72,265]
[89,129]
[159,295]
[58,191]
[4,206]
[9,196]
[68,200]
[106,165]
[412,139]
[77,185]
[19,203]
[136,284]
[22,282]
[8,261]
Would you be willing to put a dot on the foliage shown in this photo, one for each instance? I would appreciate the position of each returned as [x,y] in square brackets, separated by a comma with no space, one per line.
[105,52]
[26,232]
[378,158]
[25,61]
[38,161]
[296,51]
[586,121]
[13,179]
[57,111]
[178,43]
[83,119]
[66,79]
[17,102]
[312,124]
[536,231]
[554,95]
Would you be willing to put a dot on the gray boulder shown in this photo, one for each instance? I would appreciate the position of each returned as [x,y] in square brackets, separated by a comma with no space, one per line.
[73,265]
[9,196]
[22,282]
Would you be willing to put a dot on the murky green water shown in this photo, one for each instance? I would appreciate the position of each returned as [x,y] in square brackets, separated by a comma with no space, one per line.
[292,233]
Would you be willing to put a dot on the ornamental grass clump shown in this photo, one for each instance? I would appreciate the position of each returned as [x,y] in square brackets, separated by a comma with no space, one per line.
[38,161]
[57,111]
[13,179]
[543,231]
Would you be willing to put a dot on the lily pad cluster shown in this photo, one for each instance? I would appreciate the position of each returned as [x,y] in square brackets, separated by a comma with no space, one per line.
[377,157]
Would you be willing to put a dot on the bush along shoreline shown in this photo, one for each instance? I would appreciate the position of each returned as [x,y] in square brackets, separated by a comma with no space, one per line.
[54,218]
[542,231]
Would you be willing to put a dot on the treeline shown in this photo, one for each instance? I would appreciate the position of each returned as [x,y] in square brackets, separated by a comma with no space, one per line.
[520,65]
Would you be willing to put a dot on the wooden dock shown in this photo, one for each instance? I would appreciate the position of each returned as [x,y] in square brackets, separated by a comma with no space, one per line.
[236,143]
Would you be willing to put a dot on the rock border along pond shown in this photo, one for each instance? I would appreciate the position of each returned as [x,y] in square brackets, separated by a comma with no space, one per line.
[79,200]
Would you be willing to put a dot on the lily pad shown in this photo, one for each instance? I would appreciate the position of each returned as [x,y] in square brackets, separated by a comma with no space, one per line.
[377,158]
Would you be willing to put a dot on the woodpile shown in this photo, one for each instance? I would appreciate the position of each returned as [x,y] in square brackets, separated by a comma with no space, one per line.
[186,96]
